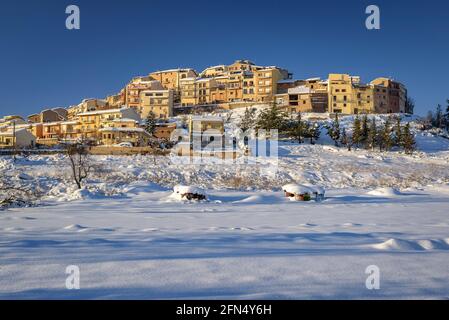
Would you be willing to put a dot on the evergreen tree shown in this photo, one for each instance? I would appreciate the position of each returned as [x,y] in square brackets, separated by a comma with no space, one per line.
[385,140]
[409,105]
[439,117]
[248,119]
[345,140]
[397,140]
[356,131]
[365,130]
[408,141]
[446,116]
[271,118]
[298,130]
[150,123]
[333,130]
[316,132]
[372,139]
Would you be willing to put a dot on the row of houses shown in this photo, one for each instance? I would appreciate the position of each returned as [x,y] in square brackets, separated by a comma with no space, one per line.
[342,93]
[102,126]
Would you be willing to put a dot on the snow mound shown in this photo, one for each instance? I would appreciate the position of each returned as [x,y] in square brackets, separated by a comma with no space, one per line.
[398,244]
[297,188]
[179,189]
[75,227]
[413,245]
[183,193]
[384,192]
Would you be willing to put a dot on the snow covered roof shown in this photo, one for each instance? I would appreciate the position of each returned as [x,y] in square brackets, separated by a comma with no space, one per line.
[101,112]
[299,90]
[175,70]
[188,79]
[69,122]
[11,133]
[209,118]
[180,189]
[113,129]
[125,120]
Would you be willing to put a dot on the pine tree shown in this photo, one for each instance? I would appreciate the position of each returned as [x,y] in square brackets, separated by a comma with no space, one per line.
[248,119]
[271,118]
[385,140]
[446,116]
[334,130]
[397,140]
[365,130]
[408,141]
[356,131]
[150,123]
[439,117]
[409,105]
[372,139]
[316,132]
[298,129]
[345,140]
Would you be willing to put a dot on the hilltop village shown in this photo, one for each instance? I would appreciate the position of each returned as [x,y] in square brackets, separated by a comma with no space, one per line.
[165,94]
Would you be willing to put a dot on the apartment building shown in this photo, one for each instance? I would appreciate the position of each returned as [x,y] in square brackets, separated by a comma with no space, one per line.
[348,95]
[159,102]
[91,122]
[86,105]
[391,95]
[134,89]
[303,99]
[244,81]
[189,92]
[49,115]
[10,120]
[171,79]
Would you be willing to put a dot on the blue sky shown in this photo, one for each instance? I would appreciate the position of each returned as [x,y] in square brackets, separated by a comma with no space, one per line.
[42,64]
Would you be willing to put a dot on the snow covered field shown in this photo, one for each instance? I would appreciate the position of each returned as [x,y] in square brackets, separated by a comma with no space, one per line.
[252,245]
[132,239]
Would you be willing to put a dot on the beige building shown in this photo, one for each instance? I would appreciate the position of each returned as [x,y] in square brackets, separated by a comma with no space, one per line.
[390,95]
[171,79]
[87,105]
[303,99]
[348,95]
[160,102]
[91,122]
[134,89]
[20,138]
[49,115]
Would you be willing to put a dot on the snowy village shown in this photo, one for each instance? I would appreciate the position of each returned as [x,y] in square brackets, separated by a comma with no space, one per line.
[221,151]
[177,161]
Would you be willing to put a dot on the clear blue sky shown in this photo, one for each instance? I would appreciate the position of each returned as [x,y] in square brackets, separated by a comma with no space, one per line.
[44,65]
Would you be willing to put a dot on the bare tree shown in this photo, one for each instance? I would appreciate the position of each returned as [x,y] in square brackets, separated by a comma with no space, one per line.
[80,162]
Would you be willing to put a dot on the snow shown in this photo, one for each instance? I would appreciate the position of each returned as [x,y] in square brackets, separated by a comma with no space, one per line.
[132,239]
[179,189]
[245,245]
[296,189]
